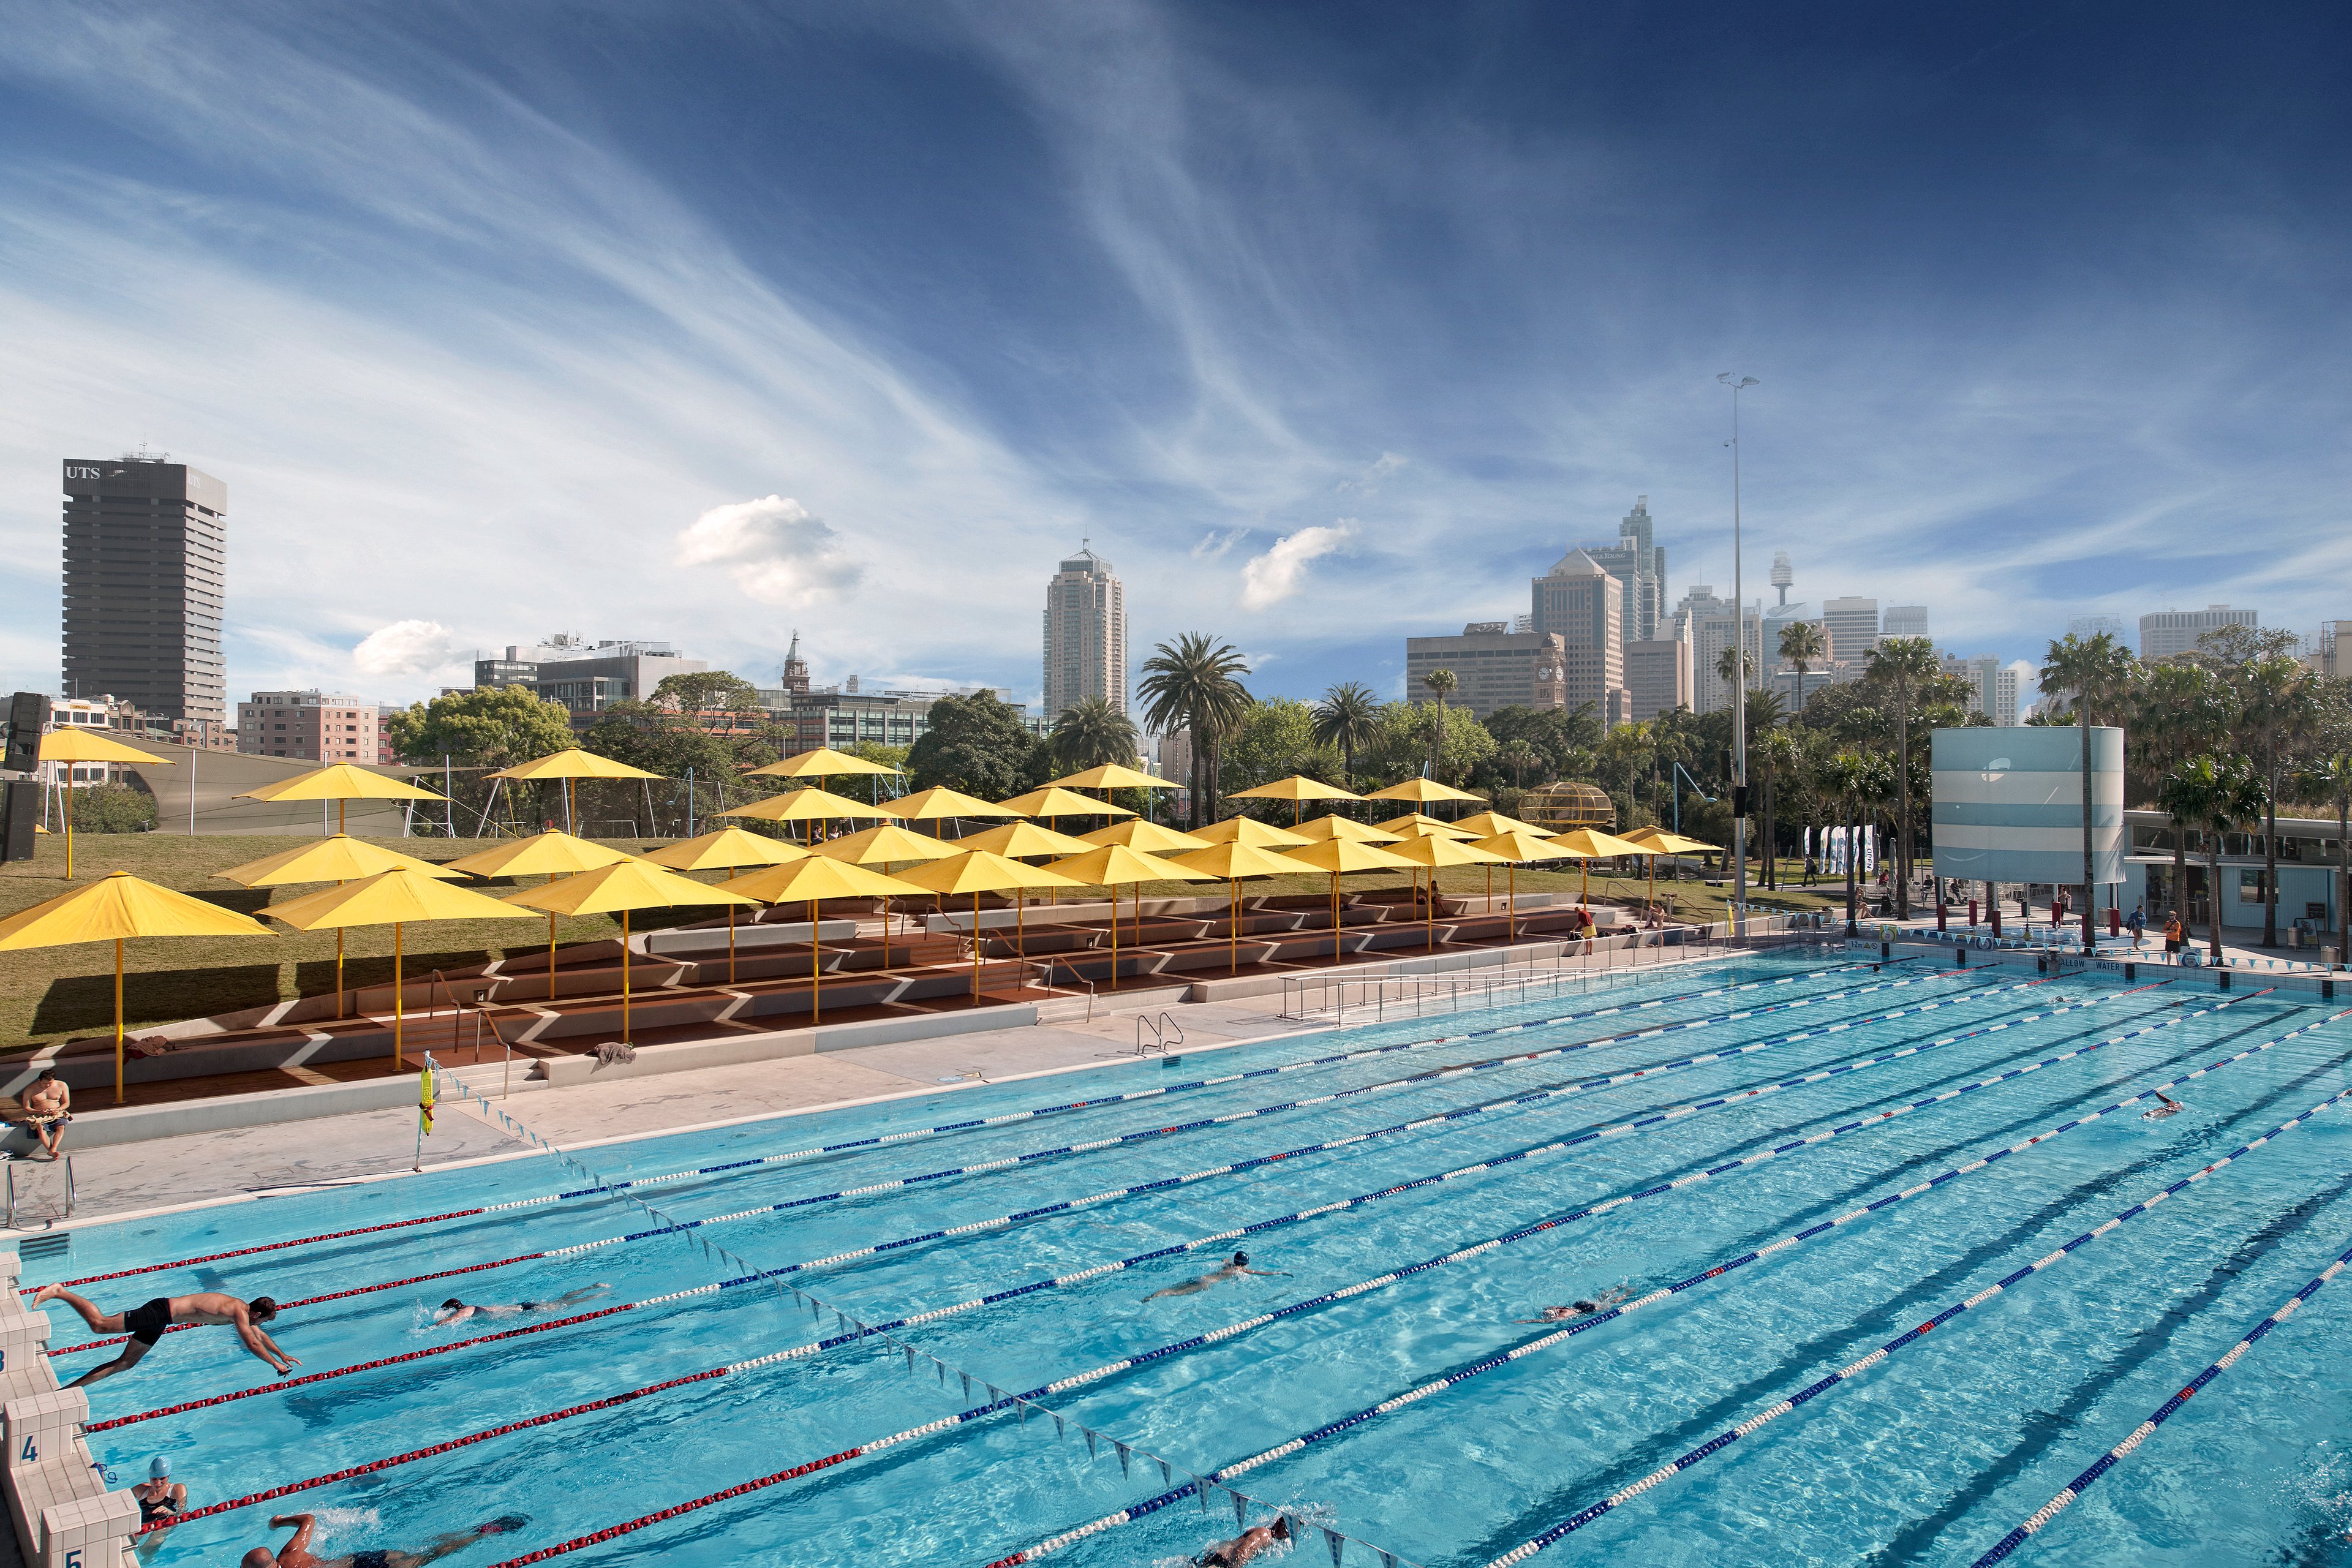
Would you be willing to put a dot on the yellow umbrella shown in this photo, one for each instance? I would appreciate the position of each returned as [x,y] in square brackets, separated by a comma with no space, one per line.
[1249,830]
[396,899]
[1432,850]
[568,765]
[1110,775]
[1114,866]
[1146,836]
[1487,824]
[550,854]
[1421,792]
[728,849]
[342,858]
[977,871]
[340,782]
[1518,848]
[813,878]
[1016,840]
[621,886]
[1338,855]
[1658,841]
[885,844]
[1323,829]
[71,745]
[1591,844]
[1050,803]
[1297,789]
[1412,825]
[809,806]
[820,764]
[116,907]
[940,803]
[1233,860]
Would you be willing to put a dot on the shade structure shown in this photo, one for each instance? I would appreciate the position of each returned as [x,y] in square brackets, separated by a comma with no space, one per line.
[978,871]
[572,763]
[1234,860]
[1487,824]
[397,899]
[1052,802]
[938,802]
[1591,844]
[114,909]
[1115,865]
[1323,829]
[619,889]
[1249,830]
[342,858]
[1429,852]
[823,763]
[1412,825]
[809,806]
[1148,836]
[1421,792]
[813,878]
[1110,775]
[340,781]
[549,854]
[1338,856]
[1518,847]
[885,844]
[1016,840]
[726,849]
[1297,789]
[1658,841]
[73,745]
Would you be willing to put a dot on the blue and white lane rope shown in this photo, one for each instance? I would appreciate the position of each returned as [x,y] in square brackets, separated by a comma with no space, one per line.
[2163,1413]
[1504,1103]
[1847,1373]
[1420,1079]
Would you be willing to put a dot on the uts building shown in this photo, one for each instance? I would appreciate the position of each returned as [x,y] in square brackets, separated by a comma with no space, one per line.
[146,545]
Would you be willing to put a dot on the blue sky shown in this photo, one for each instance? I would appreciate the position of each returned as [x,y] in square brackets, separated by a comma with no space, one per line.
[707,322]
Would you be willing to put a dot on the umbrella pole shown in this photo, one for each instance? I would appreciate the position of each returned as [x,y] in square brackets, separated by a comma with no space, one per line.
[550,958]
[338,968]
[68,817]
[399,997]
[1510,901]
[118,1020]
[730,944]
[1114,936]
[816,971]
[624,977]
[976,947]
[1233,929]
[1429,911]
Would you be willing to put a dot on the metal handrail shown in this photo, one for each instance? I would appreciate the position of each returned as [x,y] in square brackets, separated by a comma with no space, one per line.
[1077,980]
[68,1163]
[1159,1034]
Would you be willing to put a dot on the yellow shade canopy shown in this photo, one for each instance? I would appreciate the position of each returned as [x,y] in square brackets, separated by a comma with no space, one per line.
[343,781]
[570,763]
[1323,829]
[1421,792]
[1519,849]
[724,851]
[1488,823]
[815,878]
[1339,856]
[1016,838]
[979,871]
[1051,801]
[1658,841]
[822,763]
[886,842]
[1116,866]
[1110,775]
[72,745]
[626,885]
[1590,843]
[342,858]
[1414,826]
[118,906]
[1148,836]
[809,805]
[389,897]
[1249,830]
[1232,860]
[1437,850]
[1297,787]
[939,802]
[550,854]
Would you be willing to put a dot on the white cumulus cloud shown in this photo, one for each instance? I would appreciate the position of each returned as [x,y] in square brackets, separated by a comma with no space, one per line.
[405,648]
[1270,578]
[778,552]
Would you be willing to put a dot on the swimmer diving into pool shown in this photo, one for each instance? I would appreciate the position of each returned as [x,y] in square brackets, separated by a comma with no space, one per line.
[1574,1309]
[1234,1269]
[147,1323]
[2170,1107]
[453,1311]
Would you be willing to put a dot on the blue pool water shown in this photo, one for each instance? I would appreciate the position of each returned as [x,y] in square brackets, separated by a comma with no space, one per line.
[1930,1457]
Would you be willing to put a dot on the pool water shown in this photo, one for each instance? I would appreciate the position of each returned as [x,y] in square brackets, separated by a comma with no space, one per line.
[1930,1456]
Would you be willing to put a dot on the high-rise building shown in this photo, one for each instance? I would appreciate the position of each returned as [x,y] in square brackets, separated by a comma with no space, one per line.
[146,551]
[1494,668]
[1853,625]
[1657,677]
[1905,621]
[1993,687]
[2163,634]
[317,726]
[2088,627]
[1705,621]
[1640,567]
[1086,634]
[1585,607]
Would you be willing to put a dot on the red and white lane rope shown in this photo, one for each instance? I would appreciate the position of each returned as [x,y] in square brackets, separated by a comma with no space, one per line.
[2163,1413]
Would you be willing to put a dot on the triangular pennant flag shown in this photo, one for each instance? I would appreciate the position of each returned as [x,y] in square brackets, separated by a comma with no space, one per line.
[1237,1508]
[943,1371]
[1023,1406]
[967,1383]
[1126,1456]
[1388,1559]
[995,1394]
[1333,1538]
[1164,1476]
[910,1356]
[1058,1433]
[1201,1490]
[1091,1443]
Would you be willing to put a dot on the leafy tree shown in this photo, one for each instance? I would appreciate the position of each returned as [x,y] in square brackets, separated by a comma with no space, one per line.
[1408,737]
[2277,707]
[490,726]
[1518,756]
[1195,682]
[1442,684]
[2097,674]
[1555,735]
[2214,793]
[1347,717]
[112,809]
[1902,663]
[1777,756]
[1092,734]
[697,692]
[1276,738]
[979,745]
[665,741]
[1803,645]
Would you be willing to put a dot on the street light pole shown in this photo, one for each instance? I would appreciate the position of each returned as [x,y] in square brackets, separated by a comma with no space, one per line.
[1740,685]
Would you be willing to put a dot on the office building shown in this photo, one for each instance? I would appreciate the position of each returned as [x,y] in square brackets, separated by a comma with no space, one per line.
[1493,666]
[1853,625]
[1993,687]
[2167,634]
[1905,621]
[2328,650]
[1585,607]
[1640,567]
[2088,627]
[1705,621]
[1657,677]
[146,545]
[317,726]
[1086,634]
[586,678]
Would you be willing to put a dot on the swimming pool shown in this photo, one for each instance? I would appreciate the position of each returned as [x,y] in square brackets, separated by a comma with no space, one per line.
[1575,1145]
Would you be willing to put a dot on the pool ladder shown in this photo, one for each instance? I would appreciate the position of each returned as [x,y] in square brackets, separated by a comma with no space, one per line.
[1161,1028]
[68,1163]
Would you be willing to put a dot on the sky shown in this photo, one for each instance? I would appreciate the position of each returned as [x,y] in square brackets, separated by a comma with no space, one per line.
[1325,324]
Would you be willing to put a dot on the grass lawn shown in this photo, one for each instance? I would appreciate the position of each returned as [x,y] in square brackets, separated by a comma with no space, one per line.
[50,993]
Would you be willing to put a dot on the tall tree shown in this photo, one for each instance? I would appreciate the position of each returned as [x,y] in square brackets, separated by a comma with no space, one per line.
[1195,681]
[1776,756]
[1092,734]
[491,726]
[2215,794]
[1902,663]
[2097,675]
[1348,717]
[1847,776]
[1803,645]
[1442,683]
[699,692]
[978,744]
[2278,704]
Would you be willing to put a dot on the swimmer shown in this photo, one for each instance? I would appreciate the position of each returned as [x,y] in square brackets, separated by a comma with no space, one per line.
[1232,1271]
[162,1500]
[453,1311]
[295,1553]
[146,1324]
[1244,1547]
[1574,1309]
[2170,1107]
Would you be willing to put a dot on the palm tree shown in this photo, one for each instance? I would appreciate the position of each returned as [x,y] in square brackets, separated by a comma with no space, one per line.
[2181,709]
[1901,661]
[2331,776]
[1518,756]
[1195,681]
[1091,733]
[1441,682]
[1803,646]
[2216,793]
[1348,717]
[1728,666]
[2277,704]
[1775,754]
[1848,776]
[2099,673]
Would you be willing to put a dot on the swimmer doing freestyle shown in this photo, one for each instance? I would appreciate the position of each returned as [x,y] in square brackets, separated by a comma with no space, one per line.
[1601,1303]
[1245,1547]
[1234,1269]
[453,1311]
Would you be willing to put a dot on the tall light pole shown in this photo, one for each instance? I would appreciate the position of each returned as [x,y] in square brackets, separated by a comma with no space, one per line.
[1739,686]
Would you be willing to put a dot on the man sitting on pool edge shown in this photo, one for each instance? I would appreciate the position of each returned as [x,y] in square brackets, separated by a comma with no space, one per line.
[296,1553]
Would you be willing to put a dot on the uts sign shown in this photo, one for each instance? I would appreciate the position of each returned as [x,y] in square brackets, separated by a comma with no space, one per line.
[78,471]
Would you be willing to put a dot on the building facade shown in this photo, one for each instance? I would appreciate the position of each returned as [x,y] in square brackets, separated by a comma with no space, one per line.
[1086,634]
[1583,606]
[1993,687]
[1704,620]
[2167,634]
[1657,677]
[319,727]
[146,555]
[586,677]
[1853,625]
[1905,621]
[1638,564]
[1494,666]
